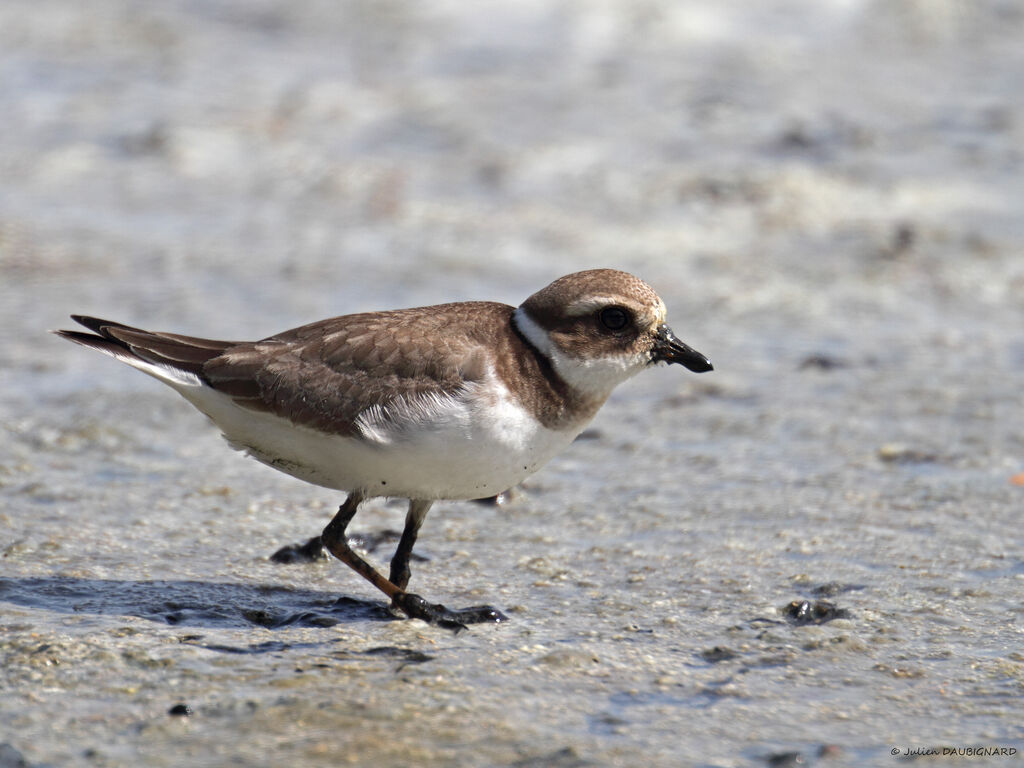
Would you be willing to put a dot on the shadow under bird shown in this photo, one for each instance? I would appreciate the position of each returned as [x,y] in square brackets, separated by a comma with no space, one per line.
[454,401]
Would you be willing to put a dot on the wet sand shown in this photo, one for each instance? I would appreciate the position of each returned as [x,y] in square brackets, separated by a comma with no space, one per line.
[827,196]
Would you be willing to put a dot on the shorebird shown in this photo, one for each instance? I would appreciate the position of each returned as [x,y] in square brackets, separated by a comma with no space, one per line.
[453,401]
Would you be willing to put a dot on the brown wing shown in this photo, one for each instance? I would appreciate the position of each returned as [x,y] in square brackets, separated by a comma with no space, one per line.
[325,374]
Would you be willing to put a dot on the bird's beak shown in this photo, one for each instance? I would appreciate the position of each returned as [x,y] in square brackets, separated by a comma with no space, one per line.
[669,349]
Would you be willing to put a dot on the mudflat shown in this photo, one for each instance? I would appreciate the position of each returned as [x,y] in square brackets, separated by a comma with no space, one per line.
[810,555]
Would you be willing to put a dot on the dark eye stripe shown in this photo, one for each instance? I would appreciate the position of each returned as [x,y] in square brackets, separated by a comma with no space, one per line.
[614,318]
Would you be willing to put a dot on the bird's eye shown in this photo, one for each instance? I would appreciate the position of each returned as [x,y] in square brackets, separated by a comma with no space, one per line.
[614,318]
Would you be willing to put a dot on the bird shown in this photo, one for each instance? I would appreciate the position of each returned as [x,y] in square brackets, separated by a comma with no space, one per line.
[452,401]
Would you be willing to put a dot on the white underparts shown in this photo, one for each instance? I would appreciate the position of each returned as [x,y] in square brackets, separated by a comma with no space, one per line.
[475,443]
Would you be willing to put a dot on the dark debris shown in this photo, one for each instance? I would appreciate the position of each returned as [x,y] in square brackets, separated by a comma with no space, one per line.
[804,612]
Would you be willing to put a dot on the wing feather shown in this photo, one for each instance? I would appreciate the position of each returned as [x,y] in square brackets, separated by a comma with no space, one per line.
[344,374]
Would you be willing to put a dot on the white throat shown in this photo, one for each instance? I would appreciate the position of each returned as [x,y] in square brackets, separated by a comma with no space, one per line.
[592,376]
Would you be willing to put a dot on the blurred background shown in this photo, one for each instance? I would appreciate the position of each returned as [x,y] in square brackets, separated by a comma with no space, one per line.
[236,166]
[828,196]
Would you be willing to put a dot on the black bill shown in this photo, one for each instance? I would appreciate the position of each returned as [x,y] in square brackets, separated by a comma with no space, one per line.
[669,349]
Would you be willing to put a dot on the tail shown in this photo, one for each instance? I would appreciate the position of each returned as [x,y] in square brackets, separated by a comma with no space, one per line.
[174,359]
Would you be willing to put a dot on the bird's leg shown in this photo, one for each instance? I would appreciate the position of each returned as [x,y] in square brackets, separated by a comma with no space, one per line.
[336,542]
[400,562]
[414,606]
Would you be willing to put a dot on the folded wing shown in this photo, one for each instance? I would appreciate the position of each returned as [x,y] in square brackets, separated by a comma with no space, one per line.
[324,375]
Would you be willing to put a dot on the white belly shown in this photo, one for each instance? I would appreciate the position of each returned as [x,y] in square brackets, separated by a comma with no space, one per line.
[469,447]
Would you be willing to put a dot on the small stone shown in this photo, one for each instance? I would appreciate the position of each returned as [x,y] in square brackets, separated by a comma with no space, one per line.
[785,760]
[717,654]
[897,453]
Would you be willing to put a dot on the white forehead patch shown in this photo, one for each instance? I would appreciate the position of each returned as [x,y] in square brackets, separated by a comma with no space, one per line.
[590,304]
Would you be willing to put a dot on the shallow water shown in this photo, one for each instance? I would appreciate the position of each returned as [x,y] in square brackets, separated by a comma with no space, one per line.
[827,197]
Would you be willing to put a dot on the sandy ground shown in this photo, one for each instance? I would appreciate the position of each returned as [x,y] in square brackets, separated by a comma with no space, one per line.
[827,195]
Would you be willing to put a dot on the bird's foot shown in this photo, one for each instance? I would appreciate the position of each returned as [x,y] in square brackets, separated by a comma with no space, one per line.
[415,607]
[309,552]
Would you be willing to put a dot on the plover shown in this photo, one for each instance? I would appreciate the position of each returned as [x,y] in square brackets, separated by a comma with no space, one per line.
[454,401]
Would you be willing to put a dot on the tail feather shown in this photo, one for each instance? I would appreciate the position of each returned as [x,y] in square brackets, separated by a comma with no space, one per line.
[98,343]
[167,356]
[99,326]
[157,348]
